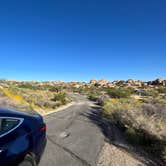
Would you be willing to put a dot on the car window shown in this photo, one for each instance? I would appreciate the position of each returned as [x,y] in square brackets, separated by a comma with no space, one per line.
[7,124]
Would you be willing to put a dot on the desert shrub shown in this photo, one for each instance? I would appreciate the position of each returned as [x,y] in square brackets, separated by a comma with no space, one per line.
[143,124]
[131,90]
[28,86]
[93,94]
[148,142]
[161,90]
[89,91]
[50,105]
[61,96]
[119,93]
[164,154]
[152,93]
[47,105]
[140,137]
[93,97]
[117,110]
[133,136]
[153,110]
[55,89]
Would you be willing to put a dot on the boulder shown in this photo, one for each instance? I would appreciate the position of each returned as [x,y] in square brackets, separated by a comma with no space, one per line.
[103,98]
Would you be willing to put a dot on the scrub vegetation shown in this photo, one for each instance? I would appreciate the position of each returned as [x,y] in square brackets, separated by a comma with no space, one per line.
[141,118]
[41,99]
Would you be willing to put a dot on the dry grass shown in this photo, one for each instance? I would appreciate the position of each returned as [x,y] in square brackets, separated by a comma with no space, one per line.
[40,100]
[144,121]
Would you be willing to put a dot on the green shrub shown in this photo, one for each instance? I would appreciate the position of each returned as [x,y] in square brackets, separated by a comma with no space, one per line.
[162,90]
[164,154]
[132,136]
[47,105]
[61,96]
[55,89]
[152,93]
[93,97]
[140,137]
[28,86]
[119,93]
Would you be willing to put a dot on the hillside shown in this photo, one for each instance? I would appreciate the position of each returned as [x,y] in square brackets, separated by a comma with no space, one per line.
[46,96]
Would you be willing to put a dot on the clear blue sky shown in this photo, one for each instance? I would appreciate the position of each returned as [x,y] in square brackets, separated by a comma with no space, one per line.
[82,39]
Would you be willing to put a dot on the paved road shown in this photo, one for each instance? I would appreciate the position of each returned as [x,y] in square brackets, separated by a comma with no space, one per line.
[75,135]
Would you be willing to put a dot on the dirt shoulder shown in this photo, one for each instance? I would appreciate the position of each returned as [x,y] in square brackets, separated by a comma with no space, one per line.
[114,156]
[118,152]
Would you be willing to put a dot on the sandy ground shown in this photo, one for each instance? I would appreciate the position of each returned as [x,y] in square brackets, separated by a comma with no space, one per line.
[114,156]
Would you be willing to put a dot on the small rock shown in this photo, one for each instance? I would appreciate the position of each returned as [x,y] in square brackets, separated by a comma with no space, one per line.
[64,134]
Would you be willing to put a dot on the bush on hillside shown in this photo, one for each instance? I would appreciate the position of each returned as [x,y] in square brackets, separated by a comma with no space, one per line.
[55,89]
[162,90]
[61,96]
[92,97]
[152,93]
[28,86]
[119,93]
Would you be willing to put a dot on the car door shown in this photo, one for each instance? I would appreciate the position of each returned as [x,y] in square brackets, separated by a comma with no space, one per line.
[7,127]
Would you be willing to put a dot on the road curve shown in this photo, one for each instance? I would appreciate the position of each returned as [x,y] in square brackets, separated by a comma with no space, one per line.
[75,135]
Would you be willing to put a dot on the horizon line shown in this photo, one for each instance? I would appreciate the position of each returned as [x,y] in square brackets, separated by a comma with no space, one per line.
[57,80]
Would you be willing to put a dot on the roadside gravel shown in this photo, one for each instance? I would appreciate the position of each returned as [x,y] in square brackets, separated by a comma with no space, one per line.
[114,156]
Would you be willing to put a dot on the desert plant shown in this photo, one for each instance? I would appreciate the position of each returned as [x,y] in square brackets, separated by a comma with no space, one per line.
[28,86]
[119,93]
[93,97]
[161,90]
[152,93]
[61,96]
[55,89]
[164,153]
[143,123]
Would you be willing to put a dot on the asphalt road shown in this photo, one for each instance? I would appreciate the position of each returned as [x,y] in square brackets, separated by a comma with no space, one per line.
[75,135]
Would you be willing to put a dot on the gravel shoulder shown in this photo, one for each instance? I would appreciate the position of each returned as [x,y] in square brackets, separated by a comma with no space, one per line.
[118,152]
[114,156]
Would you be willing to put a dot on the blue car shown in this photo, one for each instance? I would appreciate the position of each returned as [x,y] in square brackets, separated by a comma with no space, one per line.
[22,138]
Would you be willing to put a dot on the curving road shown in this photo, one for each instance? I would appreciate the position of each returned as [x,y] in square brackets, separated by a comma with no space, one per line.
[75,135]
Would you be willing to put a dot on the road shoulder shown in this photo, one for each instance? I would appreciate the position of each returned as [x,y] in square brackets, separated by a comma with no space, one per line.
[61,108]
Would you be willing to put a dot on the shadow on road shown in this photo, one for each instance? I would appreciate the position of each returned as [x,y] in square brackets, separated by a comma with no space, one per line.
[114,136]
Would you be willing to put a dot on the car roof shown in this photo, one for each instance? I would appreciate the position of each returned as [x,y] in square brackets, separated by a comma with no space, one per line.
[5,112]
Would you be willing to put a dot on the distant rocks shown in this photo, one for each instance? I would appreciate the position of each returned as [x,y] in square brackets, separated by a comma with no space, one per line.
[128,83]
[99,83]
[159,81]
[93,83]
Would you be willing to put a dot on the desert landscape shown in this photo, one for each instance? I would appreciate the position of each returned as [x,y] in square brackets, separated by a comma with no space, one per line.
[137,108]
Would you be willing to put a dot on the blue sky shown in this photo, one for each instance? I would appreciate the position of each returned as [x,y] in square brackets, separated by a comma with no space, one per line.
[82,39]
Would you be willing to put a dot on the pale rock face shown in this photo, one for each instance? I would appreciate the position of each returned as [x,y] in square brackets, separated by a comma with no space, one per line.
[130,81]
[111,85]
[138,83]
[77,86]
[93,81]
[102,98]
[99,82]
[145,84]
[103,82]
